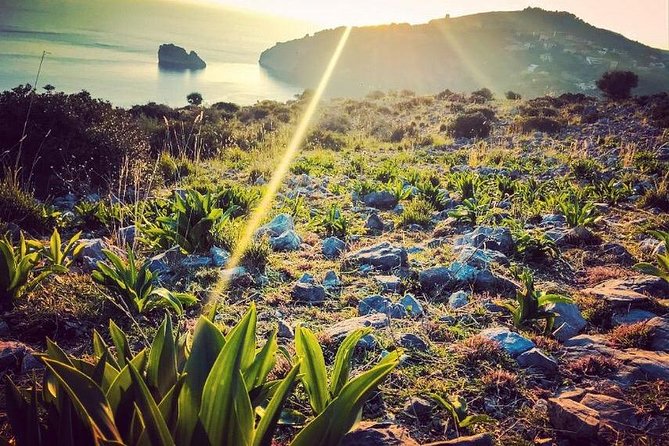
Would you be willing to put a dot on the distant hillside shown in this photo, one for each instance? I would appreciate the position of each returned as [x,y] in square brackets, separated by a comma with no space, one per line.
[531,51]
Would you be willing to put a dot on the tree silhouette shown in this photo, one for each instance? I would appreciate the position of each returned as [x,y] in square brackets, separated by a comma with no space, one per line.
[617,85]
[194,98]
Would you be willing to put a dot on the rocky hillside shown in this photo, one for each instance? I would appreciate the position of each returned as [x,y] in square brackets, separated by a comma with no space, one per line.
[532,52]
[500,261]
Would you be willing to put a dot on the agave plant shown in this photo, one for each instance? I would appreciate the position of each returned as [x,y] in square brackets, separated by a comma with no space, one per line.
[216,392]
[662,268]
[60,256]
[191,223]
[333,222]
[530,305]
[457,409]
[471,210]
[577,211]
[134,283]
[19,271]
[467,184]
[431,193]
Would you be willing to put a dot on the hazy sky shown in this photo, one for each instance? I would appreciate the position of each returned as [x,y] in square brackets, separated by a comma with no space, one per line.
[644,20]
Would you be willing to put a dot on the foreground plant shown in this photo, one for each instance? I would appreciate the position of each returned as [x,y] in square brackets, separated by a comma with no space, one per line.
[577,211]
[530,305]
[134,283]
[457,409]
[662,268]
[333,222]
[19,271]
[216,392]
[59,256]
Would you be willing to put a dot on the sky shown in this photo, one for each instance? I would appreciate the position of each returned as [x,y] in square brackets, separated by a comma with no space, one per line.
[644,20]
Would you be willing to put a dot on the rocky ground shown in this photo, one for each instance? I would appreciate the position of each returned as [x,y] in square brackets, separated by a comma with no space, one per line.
[431,274]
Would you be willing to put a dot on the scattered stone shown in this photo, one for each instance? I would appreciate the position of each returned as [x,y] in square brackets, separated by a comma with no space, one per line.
[496,239]
[458,299]
[473,440]
[389,284]
[342,329]
[333,247]
[194,261]
[287,241]
[628,293]
[308,293]
[164,263]
[380,304]
[237,276]
[279,224]
[413,342]
[569,322]
[632,316]
[374,224]
[284,330]
[659,340]
[513,343]
[435,279]
[378,434]
[580,236]
[481,258]
[411,305]
[573,419]
[4,329]
[554,220]
[91,253]
[382,256]
[219,256]
[331,280]
[616,253]
[536,359]
[380,200]
[418,408]
[126,235]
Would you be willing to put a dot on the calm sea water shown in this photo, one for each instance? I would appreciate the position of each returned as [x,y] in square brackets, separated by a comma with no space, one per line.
[110,49]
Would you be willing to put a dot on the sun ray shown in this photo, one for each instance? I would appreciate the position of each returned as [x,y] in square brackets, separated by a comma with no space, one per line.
[280,172]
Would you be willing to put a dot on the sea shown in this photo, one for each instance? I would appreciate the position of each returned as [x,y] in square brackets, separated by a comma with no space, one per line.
[110,49]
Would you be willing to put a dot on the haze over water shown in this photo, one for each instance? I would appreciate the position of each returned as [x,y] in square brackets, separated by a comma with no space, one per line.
[110,49]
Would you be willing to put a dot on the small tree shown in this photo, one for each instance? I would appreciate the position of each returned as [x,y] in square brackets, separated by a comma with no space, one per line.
[49,88]
[194,98]
[513,96]
[481,96]
[617,85]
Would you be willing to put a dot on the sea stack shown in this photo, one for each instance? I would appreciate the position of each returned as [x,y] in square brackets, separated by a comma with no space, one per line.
[176,57]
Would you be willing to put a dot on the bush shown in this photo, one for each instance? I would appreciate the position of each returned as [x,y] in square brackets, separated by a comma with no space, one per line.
[481,96]
[512,96]
[617,85]
[537,124]
[474,125]
[72,142]
[21,208]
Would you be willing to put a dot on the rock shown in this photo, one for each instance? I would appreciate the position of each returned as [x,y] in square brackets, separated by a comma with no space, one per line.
[659,340]
[279,224]
[307,278]
[287,241]
[418,408]
[458,299]
[65,202]
[472,440]
[333,247]
[481,258]
[487,281]
[219,256]
[569,322]
[164,263]
[631,317]
[378,434]
[374,224]
[413,342]
[536,359]
[342,329]
[126,235]
[30,363]
[237,276]
[435,279]
[91,253]
[554,220]
[176,57]
[573,419]
[4,329]
[380,200]
[616,253]
[412,306]
[331,280]
[496,239]
[580,236]
[380,304]
[382,256]
[389,284]
[627,293]
[612,412]
[194,261]
[513,343]
[284,330]
[308,293]
[11,355]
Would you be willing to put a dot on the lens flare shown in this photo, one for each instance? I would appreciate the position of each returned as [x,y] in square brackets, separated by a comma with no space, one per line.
[280,172]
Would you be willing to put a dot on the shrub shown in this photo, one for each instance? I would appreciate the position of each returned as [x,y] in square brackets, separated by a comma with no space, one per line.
[577,211]
[417,212]
[637,335]
[586,169]
[72,142]
[134,283]
[21,208]
[19,272]
[481,96]
[530,124]
[617,85]
[662,268]
[333,222]
[194,98]
[474,125]
[217,391]
[325,139]
[512,96]
[530,305]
